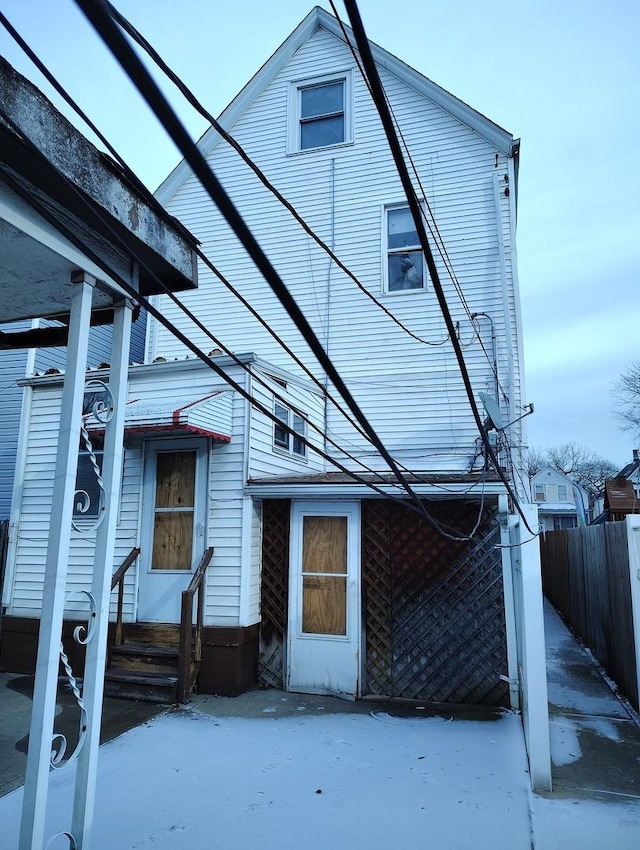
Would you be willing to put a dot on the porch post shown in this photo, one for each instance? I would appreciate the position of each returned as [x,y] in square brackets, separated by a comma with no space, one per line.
[53,598]
[95,661]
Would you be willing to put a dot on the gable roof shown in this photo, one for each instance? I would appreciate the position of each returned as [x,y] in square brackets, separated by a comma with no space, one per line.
[319,18]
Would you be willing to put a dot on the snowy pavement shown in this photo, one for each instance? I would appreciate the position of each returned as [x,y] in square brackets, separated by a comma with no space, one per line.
[272,770]
[313,779]
[189,780]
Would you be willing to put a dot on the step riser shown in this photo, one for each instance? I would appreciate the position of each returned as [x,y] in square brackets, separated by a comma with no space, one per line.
[146,664]
[144,693]
[167,635]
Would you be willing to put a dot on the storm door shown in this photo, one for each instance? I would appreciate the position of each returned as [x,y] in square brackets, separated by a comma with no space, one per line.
[324,599]
[174,511]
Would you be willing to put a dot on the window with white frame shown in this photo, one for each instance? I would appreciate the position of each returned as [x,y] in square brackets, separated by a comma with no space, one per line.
[562,492]
[539,493]
[404,261]
[320,113]
[283,439]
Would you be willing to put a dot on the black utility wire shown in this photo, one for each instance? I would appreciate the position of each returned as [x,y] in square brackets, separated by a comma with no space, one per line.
[380,102]
[98,13]
[129,28]
[46,212]
[151,199]
[432,224]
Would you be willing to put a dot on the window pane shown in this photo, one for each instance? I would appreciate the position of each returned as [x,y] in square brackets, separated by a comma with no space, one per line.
[324,544]
[320,132]
[280,435]
[321,100]
[406,271]
[172,540]
[175,479]
[324,605]
[88,505]
[401,230]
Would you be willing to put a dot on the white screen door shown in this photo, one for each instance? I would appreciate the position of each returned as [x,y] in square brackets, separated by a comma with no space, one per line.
[324,599]
[173,525]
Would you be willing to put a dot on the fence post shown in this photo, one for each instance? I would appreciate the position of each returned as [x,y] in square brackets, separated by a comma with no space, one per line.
[633,542]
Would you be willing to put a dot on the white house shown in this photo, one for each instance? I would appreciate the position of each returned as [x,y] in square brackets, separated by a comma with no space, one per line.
[561,502]
[316,582]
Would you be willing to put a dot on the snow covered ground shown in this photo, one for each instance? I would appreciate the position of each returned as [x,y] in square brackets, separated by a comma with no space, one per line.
[315,779]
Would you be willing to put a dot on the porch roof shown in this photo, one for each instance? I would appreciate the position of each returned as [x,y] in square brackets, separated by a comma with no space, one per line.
[341,485]
[209,415]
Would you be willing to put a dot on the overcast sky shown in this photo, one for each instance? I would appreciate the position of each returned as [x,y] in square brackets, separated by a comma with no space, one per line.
[562,75]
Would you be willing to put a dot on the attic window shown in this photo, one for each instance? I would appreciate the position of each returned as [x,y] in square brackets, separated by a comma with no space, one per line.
[320,113]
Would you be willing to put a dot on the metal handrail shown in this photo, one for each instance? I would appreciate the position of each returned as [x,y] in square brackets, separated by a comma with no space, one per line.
[118,579]
[196,585]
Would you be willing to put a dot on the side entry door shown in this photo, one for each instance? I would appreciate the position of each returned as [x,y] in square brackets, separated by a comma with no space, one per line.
[173,525]
[324,599]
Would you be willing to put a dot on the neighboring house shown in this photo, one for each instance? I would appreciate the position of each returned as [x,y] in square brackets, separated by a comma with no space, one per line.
[561,502]
[622,493]
[317,583]
[18,363]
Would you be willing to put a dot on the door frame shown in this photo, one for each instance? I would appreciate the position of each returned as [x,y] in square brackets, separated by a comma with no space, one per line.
[151,448]
[353,638]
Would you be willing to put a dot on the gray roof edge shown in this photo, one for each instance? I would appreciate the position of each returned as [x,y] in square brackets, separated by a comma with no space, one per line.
[501,139]
[94,173]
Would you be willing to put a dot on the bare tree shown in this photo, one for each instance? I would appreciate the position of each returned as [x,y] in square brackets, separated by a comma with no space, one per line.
[536,460]
[578,463]
[626,392]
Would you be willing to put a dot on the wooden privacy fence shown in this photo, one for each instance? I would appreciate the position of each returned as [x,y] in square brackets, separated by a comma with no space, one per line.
[586,575]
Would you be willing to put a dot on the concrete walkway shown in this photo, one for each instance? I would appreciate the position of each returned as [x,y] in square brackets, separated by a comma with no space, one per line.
[595,751]
[463,782]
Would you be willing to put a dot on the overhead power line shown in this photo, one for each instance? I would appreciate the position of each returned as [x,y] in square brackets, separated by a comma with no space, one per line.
[129,28]
[441,527]
[97,11]
[385,116]
[46,212]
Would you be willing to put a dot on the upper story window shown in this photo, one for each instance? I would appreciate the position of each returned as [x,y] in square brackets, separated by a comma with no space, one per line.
[320,113]
[562,492]
[284,439]
[404,262]
[539,494]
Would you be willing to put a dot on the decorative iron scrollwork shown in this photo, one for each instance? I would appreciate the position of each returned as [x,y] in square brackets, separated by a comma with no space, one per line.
[73,844]
[82,635]
[99,405]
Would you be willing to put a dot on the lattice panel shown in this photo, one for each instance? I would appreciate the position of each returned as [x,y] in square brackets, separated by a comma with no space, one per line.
[274,591]
[376,593]
[444,631]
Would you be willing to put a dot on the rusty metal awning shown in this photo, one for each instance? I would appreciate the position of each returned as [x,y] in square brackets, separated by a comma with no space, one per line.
[209,415]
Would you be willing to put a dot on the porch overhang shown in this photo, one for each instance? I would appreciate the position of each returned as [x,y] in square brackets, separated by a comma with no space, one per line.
[340,485]
[209,416]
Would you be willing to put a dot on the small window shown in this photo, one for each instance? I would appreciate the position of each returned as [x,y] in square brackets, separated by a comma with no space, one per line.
[404,262]
[539,493]
[320,113]
[283,439]
[562,492]
[88,498]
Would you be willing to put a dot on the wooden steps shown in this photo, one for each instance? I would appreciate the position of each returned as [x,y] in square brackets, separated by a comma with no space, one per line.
[145,665]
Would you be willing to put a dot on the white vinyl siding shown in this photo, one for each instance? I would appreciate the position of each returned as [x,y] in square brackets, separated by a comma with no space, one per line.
[420,408]
[225,491]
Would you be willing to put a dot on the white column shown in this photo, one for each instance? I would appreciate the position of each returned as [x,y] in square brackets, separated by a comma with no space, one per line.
[509,605]
[531,653]
[633,542]
[95,660]
[44,696]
